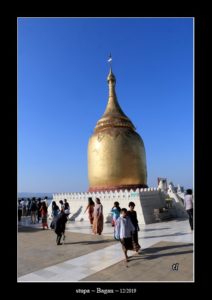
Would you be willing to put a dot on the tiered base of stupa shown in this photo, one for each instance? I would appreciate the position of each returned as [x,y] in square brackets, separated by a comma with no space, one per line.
[149,202]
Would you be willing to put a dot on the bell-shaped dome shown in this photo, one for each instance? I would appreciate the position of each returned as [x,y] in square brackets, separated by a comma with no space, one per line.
[116,152]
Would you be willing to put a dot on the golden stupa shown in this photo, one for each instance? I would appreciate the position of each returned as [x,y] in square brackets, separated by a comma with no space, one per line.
[116,153]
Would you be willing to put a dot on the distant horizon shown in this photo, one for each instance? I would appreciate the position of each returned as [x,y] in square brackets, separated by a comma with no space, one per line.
[33,193]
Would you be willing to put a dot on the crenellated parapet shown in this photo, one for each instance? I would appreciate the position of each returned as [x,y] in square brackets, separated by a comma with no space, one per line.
[103,194]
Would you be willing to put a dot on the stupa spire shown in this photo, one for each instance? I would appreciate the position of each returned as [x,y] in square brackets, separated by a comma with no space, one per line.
[113,115]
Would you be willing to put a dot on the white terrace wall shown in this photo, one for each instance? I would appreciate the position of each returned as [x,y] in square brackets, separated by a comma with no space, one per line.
[146,200]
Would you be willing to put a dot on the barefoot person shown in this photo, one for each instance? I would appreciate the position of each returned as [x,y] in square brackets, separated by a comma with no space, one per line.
[123,231]
[90,208]
[133,217]
[98,218]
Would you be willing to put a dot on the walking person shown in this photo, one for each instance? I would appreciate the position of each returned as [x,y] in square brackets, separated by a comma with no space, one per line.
[33,210]
[55,213]
[188,203]
[62,206]
[90,208]
[123,232]
[60,225]
[28,205]
[66,205]
[55,210]
[46,200]
[44,215]
[24,208]
[38,209]
[19,210]
[133,217]
[115,212]
[98,217]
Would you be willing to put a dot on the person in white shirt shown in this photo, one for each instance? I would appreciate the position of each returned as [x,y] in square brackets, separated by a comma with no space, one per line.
[188,203]
[124,230]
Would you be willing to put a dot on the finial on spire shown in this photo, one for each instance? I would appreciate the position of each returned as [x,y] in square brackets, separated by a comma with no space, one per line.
[110,60]
[111,76]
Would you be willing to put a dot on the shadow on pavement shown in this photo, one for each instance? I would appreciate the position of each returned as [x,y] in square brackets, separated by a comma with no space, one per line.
[153,256]
[90,242]
[29,229]
[154,252]
[155,229]
[157,249]
[181,219]
[173,234]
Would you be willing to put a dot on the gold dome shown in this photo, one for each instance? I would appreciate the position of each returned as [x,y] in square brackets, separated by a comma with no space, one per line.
[116,153]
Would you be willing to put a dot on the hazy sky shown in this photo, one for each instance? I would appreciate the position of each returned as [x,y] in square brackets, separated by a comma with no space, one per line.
[62,93]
